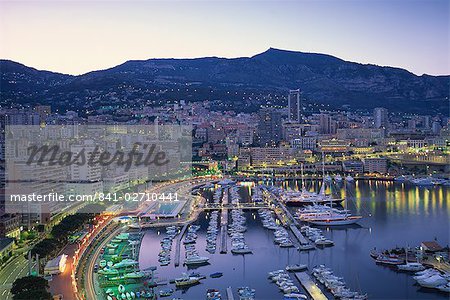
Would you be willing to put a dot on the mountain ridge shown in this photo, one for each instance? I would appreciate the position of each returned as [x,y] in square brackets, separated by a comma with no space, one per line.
[323,78]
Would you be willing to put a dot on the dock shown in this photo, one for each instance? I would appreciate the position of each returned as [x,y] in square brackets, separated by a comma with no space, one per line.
[223,239]
[224,223]
[308,284]
[300,237]
[178,245]
[230,293]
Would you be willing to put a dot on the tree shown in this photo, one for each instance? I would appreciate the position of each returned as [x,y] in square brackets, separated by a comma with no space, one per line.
[30,287]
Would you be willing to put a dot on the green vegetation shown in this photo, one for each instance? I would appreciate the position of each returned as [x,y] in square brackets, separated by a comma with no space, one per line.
[60,233]
[30,287]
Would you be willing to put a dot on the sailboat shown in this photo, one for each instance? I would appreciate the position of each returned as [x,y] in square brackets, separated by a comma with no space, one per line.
[332,217]
[410,266]
[304,197]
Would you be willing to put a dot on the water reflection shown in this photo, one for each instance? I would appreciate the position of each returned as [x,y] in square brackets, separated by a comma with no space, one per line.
[395,214]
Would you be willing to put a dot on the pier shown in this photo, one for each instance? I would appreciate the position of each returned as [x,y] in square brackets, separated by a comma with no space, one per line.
[293,222]
[313,290]
[224,223]
[230,293]
[300,237]
[178,245]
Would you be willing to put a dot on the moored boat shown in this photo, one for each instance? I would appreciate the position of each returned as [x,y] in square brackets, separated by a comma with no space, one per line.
[296,267]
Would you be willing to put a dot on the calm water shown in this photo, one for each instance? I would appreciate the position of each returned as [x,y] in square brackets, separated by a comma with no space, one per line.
[394,215]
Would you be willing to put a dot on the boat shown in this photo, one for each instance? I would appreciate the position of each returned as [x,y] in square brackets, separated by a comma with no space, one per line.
[213,294]
[296,267]
[108,271]
[166,292]
[411,267]
[338,178]
[134,275]
[126,263]
[241,250]
[402,178]
[328,216]
[323,242]
[196,260]
[349,178]
[216,275]
[374,253]
[444,288]
[305,197]
[246,293]
[432,281]
[306,247]
[186,280]
[426,181]
[389,260]
[425,274]
[294,296]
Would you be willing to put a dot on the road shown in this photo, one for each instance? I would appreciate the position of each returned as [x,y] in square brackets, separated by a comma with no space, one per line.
[89,275]
[17,268]
[62,283]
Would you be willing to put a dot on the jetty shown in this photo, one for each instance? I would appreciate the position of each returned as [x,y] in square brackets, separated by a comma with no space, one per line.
[224,223]
[178,245]
[309,285]
[300,237]
[230,295]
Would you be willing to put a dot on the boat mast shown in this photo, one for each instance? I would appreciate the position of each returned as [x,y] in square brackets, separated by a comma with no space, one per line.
[345,200]
[322,188]
[303,180]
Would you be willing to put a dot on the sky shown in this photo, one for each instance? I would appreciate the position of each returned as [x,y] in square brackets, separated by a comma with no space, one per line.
[81,36]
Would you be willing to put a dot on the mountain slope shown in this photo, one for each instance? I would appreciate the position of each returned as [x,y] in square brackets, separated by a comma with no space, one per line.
[322,78]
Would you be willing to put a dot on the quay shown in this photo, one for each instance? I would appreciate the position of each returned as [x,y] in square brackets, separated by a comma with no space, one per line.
[293,222]
[230,295]
[224,223]
[313,290]
[300,237]
[178,245]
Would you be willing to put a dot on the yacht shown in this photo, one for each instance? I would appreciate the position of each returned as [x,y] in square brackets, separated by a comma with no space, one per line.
[427,181]
[246,293]
[306,247]
[338,178]
[294,296]
[304,197]
[349,178]
[296,267]
[329,216]
[432,281]
[411,267]
[333,219]
[166,292]
[444,288]
[389,260]
[196,260]
[186,280]
[425,274]
[213,294]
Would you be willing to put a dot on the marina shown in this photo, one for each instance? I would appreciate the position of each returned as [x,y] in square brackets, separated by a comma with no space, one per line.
[260,234]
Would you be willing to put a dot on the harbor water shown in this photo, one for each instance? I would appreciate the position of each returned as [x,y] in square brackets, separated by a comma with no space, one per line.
[395,214]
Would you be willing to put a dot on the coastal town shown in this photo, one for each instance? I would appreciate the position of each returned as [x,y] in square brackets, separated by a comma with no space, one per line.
[298,171]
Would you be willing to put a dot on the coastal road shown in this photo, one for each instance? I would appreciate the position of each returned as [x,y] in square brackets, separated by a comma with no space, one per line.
[61,284]
[17,268]
[89,284]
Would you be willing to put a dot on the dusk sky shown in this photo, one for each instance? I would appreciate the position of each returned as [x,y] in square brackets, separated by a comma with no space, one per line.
[78,37]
